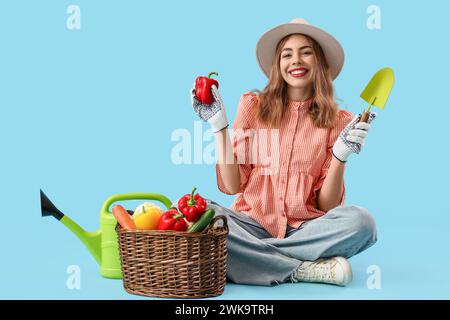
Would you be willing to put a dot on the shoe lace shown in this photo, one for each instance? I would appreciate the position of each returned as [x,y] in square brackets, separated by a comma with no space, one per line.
[323,270]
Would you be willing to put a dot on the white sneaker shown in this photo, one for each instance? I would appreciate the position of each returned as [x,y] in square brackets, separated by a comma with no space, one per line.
[336,270]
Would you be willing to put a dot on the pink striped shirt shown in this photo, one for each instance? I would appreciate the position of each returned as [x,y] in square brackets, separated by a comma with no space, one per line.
[281,170]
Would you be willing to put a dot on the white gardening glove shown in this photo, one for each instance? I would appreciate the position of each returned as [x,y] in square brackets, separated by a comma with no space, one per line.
[213,113]
[351,139]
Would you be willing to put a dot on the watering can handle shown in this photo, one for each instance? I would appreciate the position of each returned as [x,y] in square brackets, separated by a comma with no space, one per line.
[135,196]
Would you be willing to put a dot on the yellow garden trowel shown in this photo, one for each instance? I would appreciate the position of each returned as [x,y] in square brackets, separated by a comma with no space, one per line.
[377,90]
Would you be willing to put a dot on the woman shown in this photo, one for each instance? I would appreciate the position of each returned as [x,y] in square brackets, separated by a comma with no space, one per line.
[289,222]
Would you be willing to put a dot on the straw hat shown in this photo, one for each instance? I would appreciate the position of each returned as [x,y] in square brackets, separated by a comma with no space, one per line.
[265,49]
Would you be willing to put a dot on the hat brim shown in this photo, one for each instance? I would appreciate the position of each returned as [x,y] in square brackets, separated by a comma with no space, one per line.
[266,47]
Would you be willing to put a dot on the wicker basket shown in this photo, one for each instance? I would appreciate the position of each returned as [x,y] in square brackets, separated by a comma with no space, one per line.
[173,264]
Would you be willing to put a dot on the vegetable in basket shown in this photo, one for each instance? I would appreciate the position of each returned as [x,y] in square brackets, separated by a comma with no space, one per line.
[123,218]
[172,220]
[203,222]
[192,206]
[147,218]
[145,206]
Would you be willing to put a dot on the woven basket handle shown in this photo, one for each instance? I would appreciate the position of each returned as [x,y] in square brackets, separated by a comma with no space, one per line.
[214,220]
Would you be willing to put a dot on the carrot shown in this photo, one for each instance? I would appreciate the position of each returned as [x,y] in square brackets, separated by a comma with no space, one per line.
[123,218]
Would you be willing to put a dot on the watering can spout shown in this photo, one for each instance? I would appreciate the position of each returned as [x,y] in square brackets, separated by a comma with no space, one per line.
[49,209]
[92,240]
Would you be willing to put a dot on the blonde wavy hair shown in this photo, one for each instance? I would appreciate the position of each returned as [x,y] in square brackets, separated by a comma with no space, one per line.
[273,99]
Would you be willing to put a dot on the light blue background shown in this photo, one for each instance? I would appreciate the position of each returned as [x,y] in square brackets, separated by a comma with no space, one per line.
[89,113]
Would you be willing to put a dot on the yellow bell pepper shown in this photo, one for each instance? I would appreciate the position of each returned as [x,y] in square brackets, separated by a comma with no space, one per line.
[147,218]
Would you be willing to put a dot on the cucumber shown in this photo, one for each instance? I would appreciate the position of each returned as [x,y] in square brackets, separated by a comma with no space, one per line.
[203,221]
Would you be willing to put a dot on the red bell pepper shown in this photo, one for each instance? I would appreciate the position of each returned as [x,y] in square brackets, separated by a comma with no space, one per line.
[172,220]
[192,206]
[203,88]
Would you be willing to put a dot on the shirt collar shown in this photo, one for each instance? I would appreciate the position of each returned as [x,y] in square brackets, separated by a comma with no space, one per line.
[294,104]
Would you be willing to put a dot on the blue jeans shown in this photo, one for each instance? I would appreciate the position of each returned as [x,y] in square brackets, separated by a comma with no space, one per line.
[255,257]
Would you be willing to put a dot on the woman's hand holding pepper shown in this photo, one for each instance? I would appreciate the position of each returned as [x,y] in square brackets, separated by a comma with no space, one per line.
[213,113]
[352,138]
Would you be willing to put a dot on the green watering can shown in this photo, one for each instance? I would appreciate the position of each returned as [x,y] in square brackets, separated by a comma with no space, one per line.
[102,244]
[377,90]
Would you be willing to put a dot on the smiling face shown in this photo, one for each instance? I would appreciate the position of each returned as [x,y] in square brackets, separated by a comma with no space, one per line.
[299,72]
[297,63]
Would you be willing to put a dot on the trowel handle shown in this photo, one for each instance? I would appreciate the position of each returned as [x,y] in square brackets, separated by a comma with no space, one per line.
[364,116]
[366,113]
